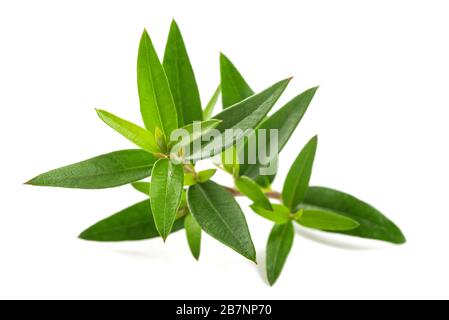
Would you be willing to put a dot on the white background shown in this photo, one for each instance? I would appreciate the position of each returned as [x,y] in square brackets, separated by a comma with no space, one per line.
[381,114]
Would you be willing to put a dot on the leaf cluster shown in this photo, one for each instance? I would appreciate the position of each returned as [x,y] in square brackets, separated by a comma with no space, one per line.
[178,196]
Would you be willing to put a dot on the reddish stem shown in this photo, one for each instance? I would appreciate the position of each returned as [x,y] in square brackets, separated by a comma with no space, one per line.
[269,194]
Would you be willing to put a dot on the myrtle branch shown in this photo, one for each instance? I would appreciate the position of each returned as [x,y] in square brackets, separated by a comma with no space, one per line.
[269,194]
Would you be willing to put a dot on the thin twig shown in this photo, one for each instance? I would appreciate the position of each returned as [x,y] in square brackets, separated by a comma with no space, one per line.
[269,194]
[273,195]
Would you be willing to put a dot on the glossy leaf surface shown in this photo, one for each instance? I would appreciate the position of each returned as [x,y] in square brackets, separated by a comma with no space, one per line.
[109,170]
[253,191]
[279,214]
[142,186]
[193,232]
[209,110]
[133,223]
[243,116]
[234,88]
[137,135]
[297,181]
[285,121]
[181,78]
[325,220]
[156,101]
[373,224]
[279,245]
[219,215]
[165,192]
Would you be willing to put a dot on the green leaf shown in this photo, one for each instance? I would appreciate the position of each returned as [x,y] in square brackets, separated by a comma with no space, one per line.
[219,215]
[311,217]
[205,126]
[183,205]
[133,223]
[181,78]
[156,102]
[229,159]
[244,115]
[253,191]
[279,245]
[137,135]
[264,181]
[189,179]
[165,193]
[233,87]
[193,131]
[285,120]
[105,171]
[207,113]
[373,224]
[193,232]
[205,175]
[161,140]
[278,214]
[298,177]
[248,113]
[141,186]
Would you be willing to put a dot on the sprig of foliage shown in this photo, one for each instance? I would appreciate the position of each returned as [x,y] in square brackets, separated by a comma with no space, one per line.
[180,197]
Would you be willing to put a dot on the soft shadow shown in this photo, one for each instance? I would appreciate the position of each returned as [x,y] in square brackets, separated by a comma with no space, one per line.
[330,239]
[260,266]
[145,254]
[136,254]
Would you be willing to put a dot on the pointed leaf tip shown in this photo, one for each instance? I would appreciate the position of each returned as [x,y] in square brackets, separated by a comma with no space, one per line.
[156,101]
[181,78]
[298,177]
[174,24]
[134,133]
[193,233]
[373,224]
[285,120]
[233,84]
[108,170]
[244,115]
[278,248]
